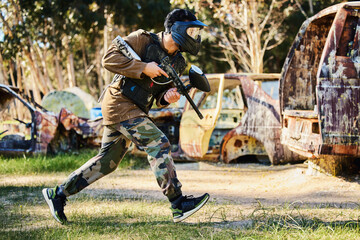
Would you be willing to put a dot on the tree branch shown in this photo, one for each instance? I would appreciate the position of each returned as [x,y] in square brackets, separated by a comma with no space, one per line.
[6,24]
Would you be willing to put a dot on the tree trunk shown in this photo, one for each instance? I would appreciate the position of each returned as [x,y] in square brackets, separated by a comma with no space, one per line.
[71,71]
[98,66]
[34,71]
[25,84]
[19,73]
[87,70]
[106,43]
[3,76]
[37,78]
[11,73]
[35,88]
[35,68]
[256,38]
[57,57]
[58,69]
[70,64]
[21,108]
[311,7]
[42,56]
[18,111]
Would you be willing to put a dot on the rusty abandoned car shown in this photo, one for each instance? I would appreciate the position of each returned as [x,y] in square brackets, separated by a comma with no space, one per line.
[240,119]
[26,127]
[320,88]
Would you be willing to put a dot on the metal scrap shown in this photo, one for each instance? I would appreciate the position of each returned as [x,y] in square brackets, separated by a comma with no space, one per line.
[41,131]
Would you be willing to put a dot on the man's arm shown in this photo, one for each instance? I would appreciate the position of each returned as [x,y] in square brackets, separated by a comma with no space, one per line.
[116,62]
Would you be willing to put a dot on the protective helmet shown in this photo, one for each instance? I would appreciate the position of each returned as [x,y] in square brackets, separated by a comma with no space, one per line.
[187,35]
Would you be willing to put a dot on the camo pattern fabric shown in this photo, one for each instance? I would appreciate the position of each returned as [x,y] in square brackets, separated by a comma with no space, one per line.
[115,143]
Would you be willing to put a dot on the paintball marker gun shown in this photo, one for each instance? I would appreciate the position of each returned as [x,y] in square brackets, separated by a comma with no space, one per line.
[197,80]
[196,76]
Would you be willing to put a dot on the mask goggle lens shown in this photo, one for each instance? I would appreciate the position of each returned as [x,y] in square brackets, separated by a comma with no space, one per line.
[193,32]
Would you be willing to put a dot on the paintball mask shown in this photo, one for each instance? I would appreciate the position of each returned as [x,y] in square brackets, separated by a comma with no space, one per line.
[187,35]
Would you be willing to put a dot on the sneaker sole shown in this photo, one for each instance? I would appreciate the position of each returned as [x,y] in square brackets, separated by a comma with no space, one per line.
[49,203]
[189,213]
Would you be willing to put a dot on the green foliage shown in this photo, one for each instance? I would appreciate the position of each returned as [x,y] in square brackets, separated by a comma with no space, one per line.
[68,25]
[64,162]
[72,27]
[274,58]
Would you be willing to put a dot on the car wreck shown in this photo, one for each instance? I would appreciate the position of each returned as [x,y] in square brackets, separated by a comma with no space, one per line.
[320,89]
[240,121]
[26,127]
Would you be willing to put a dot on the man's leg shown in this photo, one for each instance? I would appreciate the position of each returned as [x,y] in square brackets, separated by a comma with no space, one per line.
[144,133]
[113,148]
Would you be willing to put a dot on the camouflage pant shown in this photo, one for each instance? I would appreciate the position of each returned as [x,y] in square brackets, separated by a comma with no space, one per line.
[116,140]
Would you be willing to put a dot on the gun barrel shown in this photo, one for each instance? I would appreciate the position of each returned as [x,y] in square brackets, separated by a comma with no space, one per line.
[193,105]
[182,89]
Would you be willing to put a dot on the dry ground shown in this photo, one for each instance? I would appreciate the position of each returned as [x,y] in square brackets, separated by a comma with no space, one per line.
[248,201]
[242,184]
[241,195]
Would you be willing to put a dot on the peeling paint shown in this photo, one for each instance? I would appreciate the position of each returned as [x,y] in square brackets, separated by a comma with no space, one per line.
[48,132]
[332,85]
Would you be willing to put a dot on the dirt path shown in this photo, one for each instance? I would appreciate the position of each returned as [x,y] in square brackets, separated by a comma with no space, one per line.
[247,184]
[243,184]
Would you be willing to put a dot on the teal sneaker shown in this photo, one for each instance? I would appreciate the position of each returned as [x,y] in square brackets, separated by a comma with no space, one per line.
[56,204]
[187,206]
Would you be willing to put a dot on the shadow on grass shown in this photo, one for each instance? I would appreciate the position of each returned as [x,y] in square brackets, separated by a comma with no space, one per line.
[18,223]
[116,227]
[32,194]
[20,194]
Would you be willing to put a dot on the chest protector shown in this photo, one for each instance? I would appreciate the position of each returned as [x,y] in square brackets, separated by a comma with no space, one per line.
[143,91]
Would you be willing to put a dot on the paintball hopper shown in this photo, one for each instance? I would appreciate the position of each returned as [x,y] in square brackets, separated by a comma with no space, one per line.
[198,79]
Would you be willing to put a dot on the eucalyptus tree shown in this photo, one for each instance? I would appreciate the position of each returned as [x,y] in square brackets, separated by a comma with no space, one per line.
[244,30]
[59,43]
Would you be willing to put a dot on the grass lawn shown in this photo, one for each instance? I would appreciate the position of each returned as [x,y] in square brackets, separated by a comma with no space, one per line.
[25,215]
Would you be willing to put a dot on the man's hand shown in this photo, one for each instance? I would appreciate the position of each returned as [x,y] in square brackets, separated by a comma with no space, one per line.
[172,95]
[153,70]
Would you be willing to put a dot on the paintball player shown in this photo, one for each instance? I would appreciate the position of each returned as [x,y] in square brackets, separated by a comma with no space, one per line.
[136,85]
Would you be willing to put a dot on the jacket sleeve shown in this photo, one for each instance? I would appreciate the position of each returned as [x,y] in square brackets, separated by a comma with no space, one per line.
[116,62]
[160,101]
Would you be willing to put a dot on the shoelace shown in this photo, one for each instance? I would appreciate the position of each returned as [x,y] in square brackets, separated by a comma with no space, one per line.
[189,197]
[188,203]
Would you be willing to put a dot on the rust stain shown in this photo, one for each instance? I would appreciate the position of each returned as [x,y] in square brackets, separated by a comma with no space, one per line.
[260,127]
[41,131]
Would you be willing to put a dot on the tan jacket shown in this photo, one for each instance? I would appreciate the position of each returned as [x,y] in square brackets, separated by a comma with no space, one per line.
[116,107]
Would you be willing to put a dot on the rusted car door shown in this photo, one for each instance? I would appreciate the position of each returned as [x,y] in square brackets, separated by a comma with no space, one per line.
[338,85]
[195,133]
[300,125]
